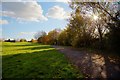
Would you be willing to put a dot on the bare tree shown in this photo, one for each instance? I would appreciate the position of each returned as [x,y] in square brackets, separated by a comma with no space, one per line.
[39,34]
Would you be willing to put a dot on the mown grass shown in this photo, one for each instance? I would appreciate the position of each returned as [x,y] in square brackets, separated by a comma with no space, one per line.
[32,60]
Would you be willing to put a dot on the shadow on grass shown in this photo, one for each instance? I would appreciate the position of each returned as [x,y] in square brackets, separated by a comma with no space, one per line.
[37,48]
[29,53]
[38,64]
[26,64]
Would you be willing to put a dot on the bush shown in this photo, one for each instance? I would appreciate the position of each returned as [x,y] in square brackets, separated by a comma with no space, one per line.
[23,40]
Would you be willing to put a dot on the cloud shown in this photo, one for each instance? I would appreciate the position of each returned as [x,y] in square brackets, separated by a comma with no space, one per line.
[18,0]
[3,22]
[65,1]
[27,33]
[23,11]
[57,12]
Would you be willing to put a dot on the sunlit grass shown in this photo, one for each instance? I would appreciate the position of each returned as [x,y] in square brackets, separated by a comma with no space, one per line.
[32,60]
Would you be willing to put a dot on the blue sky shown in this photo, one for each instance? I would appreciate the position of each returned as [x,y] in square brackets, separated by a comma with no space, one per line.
[52,15]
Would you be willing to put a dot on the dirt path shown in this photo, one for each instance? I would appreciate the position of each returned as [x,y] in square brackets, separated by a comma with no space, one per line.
[91,64]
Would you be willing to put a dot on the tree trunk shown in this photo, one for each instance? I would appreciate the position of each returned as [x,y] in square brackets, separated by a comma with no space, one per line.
[100,37]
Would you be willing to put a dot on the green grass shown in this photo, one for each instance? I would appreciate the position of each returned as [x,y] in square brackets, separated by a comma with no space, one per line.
[32,60]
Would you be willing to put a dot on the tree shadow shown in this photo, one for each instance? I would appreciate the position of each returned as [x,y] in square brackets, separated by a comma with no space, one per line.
[93,64]
[99,66]
[112,65]
[27,65]
[39,64]
[36,48]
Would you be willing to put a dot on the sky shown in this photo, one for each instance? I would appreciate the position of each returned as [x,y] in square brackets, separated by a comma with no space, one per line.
[23,19]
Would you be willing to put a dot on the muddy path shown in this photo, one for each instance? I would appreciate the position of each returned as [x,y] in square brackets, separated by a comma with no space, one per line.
[92,65]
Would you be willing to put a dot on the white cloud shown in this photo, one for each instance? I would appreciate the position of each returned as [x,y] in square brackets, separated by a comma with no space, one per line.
[23,11]
[57,12]
[18,0]
[65,1]
[3,22]
[27,33]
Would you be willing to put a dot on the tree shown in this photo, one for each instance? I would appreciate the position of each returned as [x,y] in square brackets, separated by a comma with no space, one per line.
[43,39]
[53,36]
[108,13]
[23,40]
[39,34]
[64,37]
[79,29]
[32,40]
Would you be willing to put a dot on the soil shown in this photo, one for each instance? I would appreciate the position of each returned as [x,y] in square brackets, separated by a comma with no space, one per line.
[92,64]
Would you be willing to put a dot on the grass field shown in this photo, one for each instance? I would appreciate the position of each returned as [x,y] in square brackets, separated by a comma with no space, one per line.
[32,60]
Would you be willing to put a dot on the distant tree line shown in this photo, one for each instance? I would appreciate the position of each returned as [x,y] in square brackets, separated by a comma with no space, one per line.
[13,40]
[20,40]
[10,40]
[84,31]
